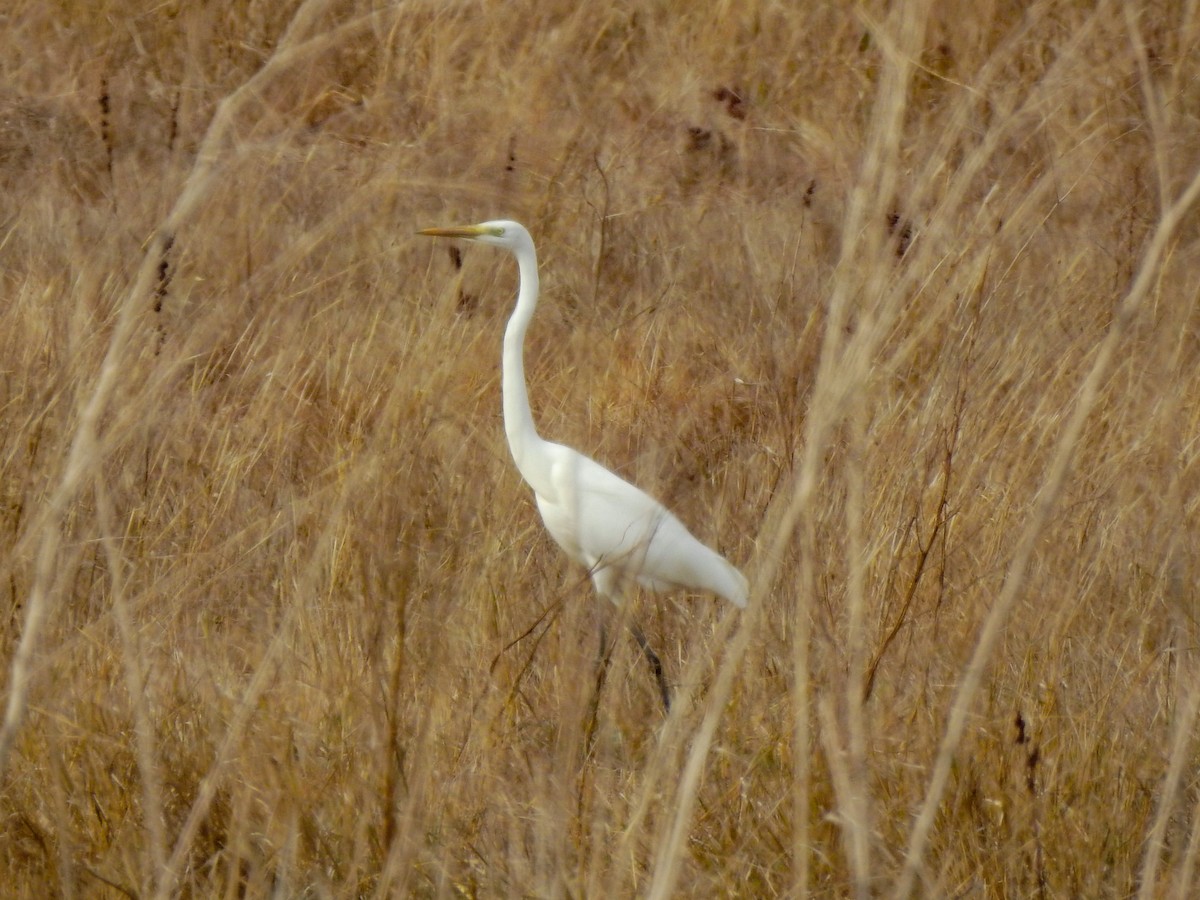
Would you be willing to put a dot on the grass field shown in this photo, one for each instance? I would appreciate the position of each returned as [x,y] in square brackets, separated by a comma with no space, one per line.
[894,304]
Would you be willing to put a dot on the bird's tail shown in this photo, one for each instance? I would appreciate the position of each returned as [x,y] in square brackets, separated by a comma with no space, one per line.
[723,579]
[738,592]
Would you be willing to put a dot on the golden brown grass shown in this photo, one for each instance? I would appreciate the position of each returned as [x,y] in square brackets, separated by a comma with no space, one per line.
[896,307]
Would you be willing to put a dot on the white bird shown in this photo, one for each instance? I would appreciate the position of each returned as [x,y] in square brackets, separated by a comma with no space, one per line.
[617,531]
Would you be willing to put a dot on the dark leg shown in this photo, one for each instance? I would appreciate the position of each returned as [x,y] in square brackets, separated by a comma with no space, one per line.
[593,711]
[655,665]
[602,658]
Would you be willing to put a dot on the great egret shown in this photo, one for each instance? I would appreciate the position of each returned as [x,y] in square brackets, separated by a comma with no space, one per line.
[617,531]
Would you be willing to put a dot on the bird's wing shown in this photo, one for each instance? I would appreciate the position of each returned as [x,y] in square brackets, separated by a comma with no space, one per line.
[601,520]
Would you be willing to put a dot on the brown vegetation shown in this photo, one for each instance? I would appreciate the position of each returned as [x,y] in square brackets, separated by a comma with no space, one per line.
[894,306]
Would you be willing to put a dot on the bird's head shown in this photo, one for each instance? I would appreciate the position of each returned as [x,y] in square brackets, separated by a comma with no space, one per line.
[499,233]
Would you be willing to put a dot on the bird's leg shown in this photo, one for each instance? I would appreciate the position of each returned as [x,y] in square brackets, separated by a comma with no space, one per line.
[609,584]
[603,656]
[655,665]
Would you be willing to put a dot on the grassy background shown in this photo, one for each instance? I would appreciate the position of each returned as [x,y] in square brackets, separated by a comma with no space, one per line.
[831,282]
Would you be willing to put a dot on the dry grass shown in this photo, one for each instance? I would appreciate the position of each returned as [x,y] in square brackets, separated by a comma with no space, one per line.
[897,308]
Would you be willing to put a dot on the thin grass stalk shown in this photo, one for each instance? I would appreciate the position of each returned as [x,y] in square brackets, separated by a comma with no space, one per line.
[856,807]
[135,685]
[1168,792]
[1185,884]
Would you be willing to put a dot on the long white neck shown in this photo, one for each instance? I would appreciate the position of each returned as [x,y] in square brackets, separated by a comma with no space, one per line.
[528,448]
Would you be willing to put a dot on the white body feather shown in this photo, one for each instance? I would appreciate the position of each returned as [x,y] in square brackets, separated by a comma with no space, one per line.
[621,533]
